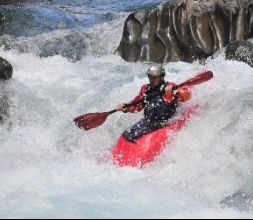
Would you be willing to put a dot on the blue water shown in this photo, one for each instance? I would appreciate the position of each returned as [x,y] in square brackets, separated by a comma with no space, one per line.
[64,65]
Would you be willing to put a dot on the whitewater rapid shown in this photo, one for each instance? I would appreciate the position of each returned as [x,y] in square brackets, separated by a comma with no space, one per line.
[51,169]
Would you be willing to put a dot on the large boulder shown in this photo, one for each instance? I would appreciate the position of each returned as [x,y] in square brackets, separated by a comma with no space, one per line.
[241,51]
[6,69]
[185,30]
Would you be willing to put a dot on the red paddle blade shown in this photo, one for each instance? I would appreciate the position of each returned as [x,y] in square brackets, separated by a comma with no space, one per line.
[199,78]
[91,120]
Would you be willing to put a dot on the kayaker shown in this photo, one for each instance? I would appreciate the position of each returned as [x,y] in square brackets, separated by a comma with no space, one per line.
[159,102]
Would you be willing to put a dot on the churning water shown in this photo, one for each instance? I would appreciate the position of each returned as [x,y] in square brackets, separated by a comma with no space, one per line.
[51,169]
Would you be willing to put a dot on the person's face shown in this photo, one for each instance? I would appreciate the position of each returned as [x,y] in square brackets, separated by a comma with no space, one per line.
[155,80]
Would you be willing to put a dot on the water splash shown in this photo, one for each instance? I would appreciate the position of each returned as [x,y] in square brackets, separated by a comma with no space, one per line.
[49,168]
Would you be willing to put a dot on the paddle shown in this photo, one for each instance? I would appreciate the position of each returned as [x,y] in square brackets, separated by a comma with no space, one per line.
[93,120]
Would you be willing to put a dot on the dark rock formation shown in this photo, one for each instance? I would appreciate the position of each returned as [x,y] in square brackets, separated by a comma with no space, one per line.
[2,18]
[241,51]
[6,69]
[186,30]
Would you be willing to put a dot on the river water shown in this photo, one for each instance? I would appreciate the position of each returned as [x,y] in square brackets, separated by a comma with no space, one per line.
[64,65]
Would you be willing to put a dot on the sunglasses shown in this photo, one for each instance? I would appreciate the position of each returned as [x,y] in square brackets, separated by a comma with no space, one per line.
[152,77]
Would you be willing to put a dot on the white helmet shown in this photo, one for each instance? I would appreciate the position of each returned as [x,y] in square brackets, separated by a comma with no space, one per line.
[156,70]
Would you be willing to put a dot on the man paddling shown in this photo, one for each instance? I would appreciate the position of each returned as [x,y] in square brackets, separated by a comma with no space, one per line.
[159,101]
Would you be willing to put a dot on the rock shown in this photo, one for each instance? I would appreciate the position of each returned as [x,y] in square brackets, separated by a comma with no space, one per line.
[185,30]
[2,18]
[6,69]
[241,51]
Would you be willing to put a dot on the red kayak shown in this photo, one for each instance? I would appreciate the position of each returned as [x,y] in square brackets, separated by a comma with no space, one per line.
[149,146]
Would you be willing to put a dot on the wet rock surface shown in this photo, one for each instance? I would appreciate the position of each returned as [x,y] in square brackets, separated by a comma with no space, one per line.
[185,30]
[6,69]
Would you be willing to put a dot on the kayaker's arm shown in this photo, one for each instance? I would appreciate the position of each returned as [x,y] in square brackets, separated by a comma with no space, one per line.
[136,107]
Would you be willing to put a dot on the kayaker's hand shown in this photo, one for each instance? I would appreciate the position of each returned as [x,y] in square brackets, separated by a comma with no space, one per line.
[121,107]
[168,88]
[176,93]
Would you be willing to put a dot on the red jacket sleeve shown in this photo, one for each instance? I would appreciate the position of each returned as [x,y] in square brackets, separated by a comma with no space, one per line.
[139,106]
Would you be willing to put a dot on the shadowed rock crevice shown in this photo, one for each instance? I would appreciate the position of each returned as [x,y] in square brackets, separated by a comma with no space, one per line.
[185,30]
[6,69]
